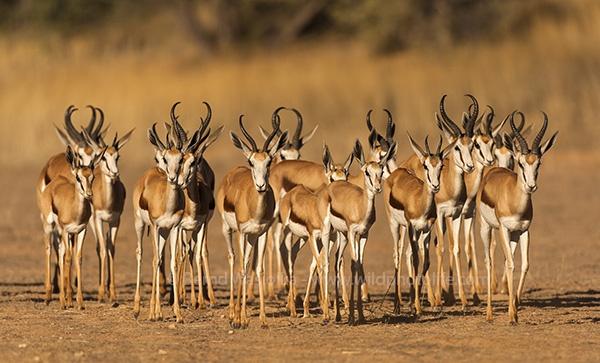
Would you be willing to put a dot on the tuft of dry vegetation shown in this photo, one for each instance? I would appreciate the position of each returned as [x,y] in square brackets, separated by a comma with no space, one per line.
[555,67]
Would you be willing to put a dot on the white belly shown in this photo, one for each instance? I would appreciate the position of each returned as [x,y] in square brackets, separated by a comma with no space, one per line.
[338,224]
[189,223]
[448,209]
[253,227]
[420,224]
[298,229]
[515,223]
[106,216]
[168,221]
[229,219]
[74,228]
[399,216]
[488,214]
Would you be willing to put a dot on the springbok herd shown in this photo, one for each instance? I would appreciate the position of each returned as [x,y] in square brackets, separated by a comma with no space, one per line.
[279,203]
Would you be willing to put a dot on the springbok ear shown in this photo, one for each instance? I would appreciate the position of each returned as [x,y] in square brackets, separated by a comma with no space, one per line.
[238,143]
[348,163]
[98,158]
[209,141]
[358,153]
[306,138]
[279,144]
[70,156]
[372,139]
[497,129]
[64,138]
[417,149]
[124,140]
[445,130]
[446,151]
[264,133]
[326,158]
[391,154]
[548,144]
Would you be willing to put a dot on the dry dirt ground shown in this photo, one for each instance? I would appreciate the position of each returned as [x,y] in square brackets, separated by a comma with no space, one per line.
[559,319]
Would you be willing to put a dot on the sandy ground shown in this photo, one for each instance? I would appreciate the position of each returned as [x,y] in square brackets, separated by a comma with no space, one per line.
[559,319]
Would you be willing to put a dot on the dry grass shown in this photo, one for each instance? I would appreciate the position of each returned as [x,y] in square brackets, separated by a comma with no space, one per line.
[555,68]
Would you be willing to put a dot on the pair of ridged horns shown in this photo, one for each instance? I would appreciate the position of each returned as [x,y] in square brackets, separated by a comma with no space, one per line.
[93,130]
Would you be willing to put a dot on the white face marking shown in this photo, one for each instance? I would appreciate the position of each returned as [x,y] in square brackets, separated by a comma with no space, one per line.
[84,177]
[170,161]
[483,150]
[260,163]
[462,153]
[373,174]
[505,158]
[109,164]
[527,171]
[188,169]
[432,173]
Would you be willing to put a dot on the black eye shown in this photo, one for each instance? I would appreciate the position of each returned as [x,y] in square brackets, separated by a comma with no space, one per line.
[425,167]
[477,146]
[456,148]
[250,163]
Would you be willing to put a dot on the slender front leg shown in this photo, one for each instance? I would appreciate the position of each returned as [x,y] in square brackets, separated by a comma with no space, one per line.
[343,242]
[112,239]
[175,246]
[48,236]
[208,278]
[196,255]
[163,234]
[270,278]
[78,252]
[101,246]
[227,233]
[486,234]
[510,267]
[337,272]
[247,254]
[439,249]
[62,249]
[416,244]
[355,268]
[139,251]
[291,300]
[394,228]
[262,244]
[68,262]
[524,242]
[454,232]
[277,230]
[325,268]
[362,242]
[471,257]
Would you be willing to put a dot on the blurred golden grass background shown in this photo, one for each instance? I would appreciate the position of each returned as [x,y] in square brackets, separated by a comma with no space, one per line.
[555,67]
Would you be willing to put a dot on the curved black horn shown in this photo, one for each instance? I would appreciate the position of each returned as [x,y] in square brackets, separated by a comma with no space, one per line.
[447,120]
[522,143]
[92,123]
[390,127]
[276,131]
[369,124]
[70,128]
[298,132]
[473,113]
[439,147]
[488,120]
[427,145]
[538,138]
[275,116]
[247,135]
[156,137]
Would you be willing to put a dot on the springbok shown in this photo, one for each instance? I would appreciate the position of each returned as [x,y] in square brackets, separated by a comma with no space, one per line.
[247,205]
[198,179]
[452,195]
[304,214]
[378,148]
[352,213]
[483,142]
[107,206]
[65,210]
[159,202]
[290,151]
[58,165]
[505,204]
[410,205]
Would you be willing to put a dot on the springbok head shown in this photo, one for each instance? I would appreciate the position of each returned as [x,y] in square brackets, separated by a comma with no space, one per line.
[194,147]
[463,141]
[260,159]
[333,171]
[373,170]
[291,149]
[484,137]
[75,139]
[168,155]
[505,150]
[83,173]
[432,162]
[529,160]
[378,144]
